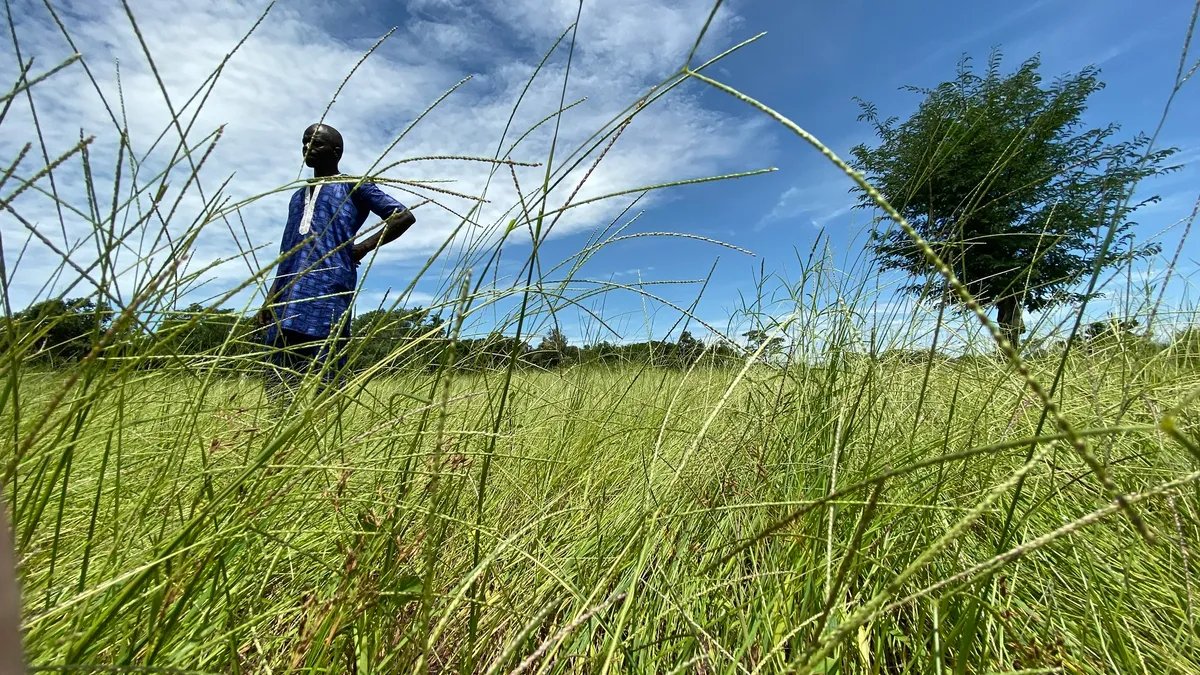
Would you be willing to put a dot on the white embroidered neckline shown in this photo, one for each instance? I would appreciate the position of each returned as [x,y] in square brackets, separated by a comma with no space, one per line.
[310,203]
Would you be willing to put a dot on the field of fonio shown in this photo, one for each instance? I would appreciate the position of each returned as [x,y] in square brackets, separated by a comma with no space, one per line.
[853,503]
[629,521]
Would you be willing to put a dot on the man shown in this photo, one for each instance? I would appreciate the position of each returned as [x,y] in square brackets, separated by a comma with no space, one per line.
[308,309]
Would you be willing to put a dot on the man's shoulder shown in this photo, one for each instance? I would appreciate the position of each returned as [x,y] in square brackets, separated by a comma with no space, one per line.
[365,192]
[362,187]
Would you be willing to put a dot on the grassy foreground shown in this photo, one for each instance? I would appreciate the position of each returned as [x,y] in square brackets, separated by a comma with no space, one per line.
[858,516]
[643,521]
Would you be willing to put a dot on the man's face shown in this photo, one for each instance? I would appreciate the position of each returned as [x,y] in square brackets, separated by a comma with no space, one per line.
[320,148]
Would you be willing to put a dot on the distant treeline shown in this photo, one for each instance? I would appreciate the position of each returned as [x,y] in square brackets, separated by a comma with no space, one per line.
[60,332]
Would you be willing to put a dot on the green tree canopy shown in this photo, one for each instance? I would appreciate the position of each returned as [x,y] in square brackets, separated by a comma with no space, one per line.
[400,336]
[554,350]
[1000,175]
[688,349]
[758,337]
[61,329]
[199,330]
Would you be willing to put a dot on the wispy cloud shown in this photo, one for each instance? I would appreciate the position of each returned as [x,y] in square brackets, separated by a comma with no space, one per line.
[816,204]
[637,271]
[1070,40]
[1186,155]
[963,41]
[284,75]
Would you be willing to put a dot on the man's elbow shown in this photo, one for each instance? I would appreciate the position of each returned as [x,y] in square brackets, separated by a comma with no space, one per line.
[398,224]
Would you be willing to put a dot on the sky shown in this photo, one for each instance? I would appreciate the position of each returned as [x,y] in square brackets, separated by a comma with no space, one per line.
[814,59]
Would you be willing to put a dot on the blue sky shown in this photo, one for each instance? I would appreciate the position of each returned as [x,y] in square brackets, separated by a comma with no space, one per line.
[814,59]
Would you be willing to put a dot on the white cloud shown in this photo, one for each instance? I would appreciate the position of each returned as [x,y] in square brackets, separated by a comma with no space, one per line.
[1186,155]
[950,50]
[636,271]
[284,75]
[818,203]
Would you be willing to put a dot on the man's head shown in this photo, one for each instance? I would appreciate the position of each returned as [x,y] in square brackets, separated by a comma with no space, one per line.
[322,146]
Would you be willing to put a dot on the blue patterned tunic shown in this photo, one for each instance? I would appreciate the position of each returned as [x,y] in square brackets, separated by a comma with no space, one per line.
[317,281]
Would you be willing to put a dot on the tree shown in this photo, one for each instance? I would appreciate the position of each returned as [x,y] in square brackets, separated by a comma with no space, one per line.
[998,174]
[755,339]
[1112,329]
[553,350]
[402,336]
[1115,332]
[62,330]
[199,330]
[493,352]
[688,349]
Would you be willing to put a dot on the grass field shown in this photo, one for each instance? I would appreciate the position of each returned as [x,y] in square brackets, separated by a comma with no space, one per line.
[818,511]
[643,521]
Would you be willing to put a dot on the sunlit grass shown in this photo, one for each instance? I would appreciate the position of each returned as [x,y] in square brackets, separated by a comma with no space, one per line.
[849,505]
[317,553]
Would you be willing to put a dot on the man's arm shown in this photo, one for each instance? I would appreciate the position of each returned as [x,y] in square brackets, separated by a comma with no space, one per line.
[396,220]
[394,226]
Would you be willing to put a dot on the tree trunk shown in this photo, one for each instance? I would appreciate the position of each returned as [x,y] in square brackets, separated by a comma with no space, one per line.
[1011,321]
